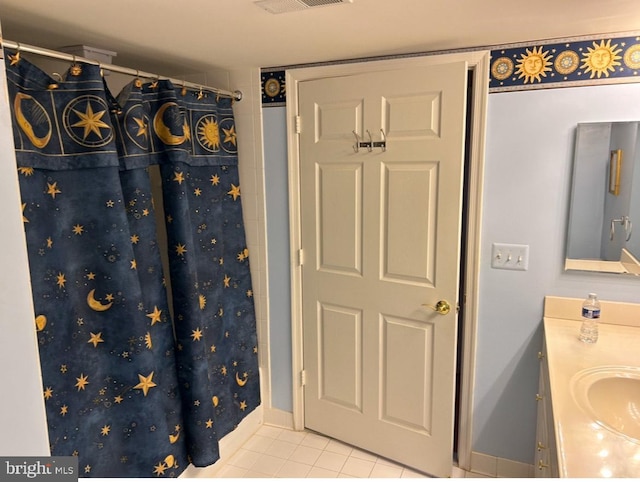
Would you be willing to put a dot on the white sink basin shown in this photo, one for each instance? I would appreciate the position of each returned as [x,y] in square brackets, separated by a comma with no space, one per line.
[610,395]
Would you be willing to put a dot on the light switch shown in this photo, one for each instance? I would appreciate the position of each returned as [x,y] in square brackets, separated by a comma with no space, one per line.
[510,256]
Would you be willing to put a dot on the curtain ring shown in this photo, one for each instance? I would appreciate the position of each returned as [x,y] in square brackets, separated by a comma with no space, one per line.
[184,88]
[75,69]
[15,58]
[137,83]
[53,85]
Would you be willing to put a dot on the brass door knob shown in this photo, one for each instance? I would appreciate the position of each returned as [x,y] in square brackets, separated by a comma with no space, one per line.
[442,307]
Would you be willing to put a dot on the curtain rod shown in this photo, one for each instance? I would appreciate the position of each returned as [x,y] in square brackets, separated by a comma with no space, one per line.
[236,95]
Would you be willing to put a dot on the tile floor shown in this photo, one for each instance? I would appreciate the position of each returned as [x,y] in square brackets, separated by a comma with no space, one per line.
[274,452]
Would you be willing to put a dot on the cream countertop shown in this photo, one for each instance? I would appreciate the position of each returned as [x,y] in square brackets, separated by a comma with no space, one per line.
[585,448]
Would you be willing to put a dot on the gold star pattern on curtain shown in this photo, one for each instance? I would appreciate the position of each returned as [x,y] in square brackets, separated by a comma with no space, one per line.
[121,392]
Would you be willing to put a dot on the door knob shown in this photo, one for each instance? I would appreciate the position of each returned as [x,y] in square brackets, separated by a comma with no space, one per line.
[442,307]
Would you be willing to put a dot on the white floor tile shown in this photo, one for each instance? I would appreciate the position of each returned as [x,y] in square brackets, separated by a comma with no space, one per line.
[381,471]
[251,474]
[274,452]
[269,431]
[357,467]
[338,447]
[320,473]
[361,454]
[305,455]
[331,461]
[243,459]
[412,474]
[294,470]
[316,441]
[231,472]
[282,449]
[258,443]
[267,465]
[292,436]
[390,463]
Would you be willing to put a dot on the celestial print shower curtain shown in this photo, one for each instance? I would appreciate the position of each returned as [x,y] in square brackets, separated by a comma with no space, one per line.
[129,389]
[209,264]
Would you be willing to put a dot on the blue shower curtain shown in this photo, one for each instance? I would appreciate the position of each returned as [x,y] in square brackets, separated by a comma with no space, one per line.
[136,383]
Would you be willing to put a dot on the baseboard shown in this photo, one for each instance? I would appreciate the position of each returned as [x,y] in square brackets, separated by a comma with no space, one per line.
[498,467]
[278,418]
[229,445]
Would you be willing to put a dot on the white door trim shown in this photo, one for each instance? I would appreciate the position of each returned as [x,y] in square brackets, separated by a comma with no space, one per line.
[478,61]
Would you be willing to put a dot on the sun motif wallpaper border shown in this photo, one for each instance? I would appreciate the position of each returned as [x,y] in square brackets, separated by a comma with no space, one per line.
[570,62]
[573,62]
[273,88]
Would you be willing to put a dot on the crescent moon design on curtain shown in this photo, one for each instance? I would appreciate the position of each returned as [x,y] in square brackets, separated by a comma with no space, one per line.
[25,125]
[163,131]
[95,304]
[241,381]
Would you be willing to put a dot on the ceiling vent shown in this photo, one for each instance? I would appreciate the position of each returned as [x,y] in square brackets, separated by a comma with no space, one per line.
[285,6]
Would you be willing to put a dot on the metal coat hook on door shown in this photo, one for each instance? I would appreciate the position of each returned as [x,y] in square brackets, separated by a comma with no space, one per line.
[370,144]
[626,224]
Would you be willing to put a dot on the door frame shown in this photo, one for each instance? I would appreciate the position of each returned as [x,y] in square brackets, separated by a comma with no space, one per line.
[478,61]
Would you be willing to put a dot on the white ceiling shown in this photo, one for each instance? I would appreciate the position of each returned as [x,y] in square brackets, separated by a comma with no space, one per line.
[189,36]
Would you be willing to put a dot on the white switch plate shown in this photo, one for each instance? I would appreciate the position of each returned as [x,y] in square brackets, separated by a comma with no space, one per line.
[510,256]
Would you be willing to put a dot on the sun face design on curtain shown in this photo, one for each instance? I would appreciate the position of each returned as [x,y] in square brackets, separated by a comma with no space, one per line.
[115,380]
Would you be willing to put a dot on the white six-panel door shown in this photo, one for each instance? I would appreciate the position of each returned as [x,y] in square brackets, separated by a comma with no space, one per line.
[381,237]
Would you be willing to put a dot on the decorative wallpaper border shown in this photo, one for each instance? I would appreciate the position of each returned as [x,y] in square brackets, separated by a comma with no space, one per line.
[274,92]
[527,66]
[569,63]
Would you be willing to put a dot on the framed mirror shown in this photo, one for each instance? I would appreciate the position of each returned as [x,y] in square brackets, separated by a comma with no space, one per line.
[605,199]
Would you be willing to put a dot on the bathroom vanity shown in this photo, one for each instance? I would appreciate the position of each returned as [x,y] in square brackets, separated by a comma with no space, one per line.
[589,394]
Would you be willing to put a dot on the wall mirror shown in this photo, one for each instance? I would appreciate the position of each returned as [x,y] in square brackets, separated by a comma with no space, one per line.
[604,218]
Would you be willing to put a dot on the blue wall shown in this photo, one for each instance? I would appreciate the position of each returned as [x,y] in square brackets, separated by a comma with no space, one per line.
[278,264]
[528,165]
[527,185]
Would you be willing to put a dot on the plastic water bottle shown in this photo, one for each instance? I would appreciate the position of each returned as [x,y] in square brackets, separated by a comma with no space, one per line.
[590,315]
